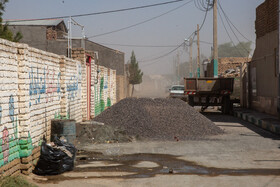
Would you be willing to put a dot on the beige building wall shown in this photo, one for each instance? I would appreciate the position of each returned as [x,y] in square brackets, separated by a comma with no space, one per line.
[36,87]
[121,87]
[263,75]
[263,89]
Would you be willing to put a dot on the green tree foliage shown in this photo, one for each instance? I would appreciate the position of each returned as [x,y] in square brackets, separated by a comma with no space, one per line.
[242,49]
[135,74]
[5,32]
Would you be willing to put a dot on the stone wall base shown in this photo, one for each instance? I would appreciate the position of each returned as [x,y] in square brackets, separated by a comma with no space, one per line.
[11,168]
[28,163]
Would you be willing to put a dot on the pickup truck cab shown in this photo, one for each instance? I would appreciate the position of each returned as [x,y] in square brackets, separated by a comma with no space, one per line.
[177,91]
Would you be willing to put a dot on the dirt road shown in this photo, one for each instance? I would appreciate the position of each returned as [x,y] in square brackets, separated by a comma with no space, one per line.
[243,156]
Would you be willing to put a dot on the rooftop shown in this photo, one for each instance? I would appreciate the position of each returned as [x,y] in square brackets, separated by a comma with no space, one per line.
[47,22]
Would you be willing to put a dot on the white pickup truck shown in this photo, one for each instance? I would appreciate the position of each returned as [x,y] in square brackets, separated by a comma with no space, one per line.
[177,91]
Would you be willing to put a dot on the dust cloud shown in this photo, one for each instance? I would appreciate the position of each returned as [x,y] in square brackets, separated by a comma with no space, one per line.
[154,86]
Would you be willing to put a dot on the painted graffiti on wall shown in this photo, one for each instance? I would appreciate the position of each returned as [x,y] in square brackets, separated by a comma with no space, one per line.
[52,87]
[37,85]
[112,88]
[12,107]
[73,86]
[46,82]
[9,149]
[0,114]
[99,102]
[5,144]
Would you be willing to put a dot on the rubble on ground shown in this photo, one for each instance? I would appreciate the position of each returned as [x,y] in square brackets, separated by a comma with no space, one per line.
[158,119]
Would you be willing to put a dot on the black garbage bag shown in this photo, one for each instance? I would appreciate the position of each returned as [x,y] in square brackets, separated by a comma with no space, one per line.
[55,159]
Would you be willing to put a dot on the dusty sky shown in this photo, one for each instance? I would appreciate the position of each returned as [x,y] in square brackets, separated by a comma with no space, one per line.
[163,33]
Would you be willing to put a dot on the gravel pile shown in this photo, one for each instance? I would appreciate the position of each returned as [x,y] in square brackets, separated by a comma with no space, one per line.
[158,119]
[92,133]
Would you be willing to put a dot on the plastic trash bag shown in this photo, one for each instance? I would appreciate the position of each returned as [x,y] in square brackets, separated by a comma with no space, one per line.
[55,159]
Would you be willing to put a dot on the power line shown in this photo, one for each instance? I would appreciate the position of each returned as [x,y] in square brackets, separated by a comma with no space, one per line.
[228,32]
[142,22]
[147,64]
[204,19]
[166,54]
[203,5]
[233,24]
[233,31]
[193,34]
[103,12]
[149,46]
[134,45]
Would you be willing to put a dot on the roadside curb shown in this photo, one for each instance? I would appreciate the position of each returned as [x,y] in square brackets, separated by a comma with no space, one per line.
[261,120]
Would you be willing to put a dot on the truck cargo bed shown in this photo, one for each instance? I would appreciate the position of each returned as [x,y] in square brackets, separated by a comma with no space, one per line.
[209,92]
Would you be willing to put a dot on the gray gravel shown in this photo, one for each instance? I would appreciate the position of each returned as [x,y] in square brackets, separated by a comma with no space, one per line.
[158,119]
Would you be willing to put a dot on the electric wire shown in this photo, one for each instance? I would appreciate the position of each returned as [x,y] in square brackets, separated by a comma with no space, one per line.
[203,5]
[244,48]
[103,12]
[148,46]
[228,33]
[134,45]
[193,34]
[152,60]
[233,24]
[142,22]
[205,15]
[148,64]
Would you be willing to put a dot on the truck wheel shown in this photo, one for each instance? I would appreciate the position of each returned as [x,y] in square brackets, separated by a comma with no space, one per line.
[226,105]
[191,100]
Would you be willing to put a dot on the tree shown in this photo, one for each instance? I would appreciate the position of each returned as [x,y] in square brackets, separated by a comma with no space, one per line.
[5,32]
[135,74]
[242,49]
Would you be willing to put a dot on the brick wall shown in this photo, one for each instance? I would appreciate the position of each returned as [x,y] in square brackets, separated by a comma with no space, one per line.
[231,63]
[225,64]
[9,109]
[73,89]
[103,84]
[51,34]
[36,87]
[267,17]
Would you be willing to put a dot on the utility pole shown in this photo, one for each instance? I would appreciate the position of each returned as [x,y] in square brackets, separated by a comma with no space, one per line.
[69,39]
[198,53]
[178,63]
[215,39]
[191,63]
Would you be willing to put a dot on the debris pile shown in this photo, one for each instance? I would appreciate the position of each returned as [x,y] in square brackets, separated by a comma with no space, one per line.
[231,73]
[158,119]
[94,132]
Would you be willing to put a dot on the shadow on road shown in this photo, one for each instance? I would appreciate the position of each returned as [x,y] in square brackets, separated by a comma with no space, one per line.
[219,117]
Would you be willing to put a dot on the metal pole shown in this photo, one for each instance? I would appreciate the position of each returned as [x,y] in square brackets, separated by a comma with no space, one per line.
[191,60]
[178,67]
[215,39]
[68,38]
[84,38]
[278,61]
[198,53]
[70,47]
[83,32]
